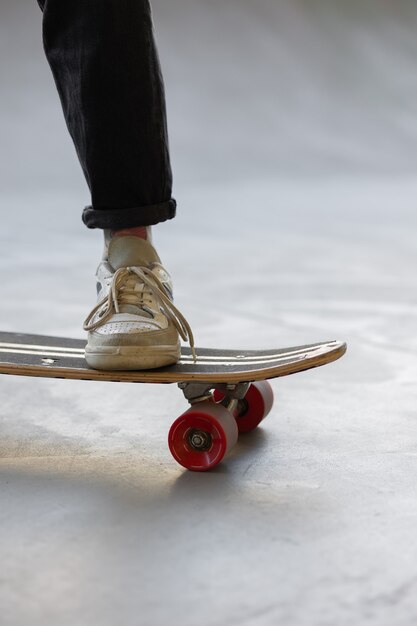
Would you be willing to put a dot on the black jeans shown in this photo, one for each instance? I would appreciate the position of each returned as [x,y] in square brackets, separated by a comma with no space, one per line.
[105,63]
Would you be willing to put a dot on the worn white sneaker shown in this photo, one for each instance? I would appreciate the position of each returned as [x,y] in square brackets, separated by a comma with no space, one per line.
[134,324]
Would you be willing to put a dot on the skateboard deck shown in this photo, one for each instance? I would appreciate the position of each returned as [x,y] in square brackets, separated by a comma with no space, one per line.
[228,390]
[58,357]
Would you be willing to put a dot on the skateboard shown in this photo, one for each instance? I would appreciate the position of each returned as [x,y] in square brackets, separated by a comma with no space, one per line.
[228,390]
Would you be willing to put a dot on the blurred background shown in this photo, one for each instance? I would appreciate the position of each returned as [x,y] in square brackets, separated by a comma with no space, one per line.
[256,91]
[293,132]
[287,119]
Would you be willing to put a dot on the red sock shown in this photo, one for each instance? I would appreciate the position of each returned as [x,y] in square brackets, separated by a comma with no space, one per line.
[138,231]
[143,232]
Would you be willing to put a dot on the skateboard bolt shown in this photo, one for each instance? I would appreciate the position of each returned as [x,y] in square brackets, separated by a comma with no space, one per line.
[200,440]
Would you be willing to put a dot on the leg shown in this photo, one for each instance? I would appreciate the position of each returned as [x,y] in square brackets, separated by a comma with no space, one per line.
[105,63]
[106,68]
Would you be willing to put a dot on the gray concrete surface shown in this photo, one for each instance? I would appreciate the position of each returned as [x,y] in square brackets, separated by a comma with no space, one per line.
[297,223]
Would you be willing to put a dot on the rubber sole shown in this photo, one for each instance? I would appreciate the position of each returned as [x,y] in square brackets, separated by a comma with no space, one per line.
[131,357]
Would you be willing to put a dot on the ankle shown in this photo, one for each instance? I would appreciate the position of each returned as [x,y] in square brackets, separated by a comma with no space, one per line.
[143,232]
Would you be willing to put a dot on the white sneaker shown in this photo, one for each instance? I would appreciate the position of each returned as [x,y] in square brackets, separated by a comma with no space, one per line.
[135,324]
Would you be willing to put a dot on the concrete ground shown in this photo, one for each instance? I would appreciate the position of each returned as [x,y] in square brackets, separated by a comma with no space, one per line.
[312,519]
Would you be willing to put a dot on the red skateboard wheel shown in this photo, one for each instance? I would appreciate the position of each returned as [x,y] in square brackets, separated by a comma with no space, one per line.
[201,437]
[256,405]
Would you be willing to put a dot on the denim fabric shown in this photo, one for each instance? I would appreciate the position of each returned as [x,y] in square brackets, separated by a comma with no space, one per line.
[105,63]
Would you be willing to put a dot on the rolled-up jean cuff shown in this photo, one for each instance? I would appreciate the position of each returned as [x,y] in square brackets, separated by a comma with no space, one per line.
[115,219]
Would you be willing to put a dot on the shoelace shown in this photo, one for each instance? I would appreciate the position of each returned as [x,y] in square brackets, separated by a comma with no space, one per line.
[109,305]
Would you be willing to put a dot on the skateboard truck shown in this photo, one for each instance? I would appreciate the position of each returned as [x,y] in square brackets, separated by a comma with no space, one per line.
[230,395]
[197,392]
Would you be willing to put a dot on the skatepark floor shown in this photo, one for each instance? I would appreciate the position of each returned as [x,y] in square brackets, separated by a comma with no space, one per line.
[312,519]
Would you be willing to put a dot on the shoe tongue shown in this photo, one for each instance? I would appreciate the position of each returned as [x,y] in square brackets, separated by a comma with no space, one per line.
[131,252]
